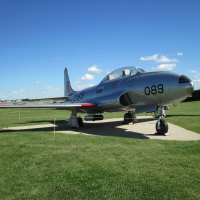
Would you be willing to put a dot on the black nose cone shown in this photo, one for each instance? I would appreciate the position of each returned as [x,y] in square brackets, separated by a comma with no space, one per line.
[184,79]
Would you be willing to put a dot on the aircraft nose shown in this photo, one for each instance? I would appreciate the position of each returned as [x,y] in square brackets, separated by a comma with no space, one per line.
[186,83]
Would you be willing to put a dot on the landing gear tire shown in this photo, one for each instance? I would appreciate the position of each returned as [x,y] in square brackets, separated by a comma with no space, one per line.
[127,118]
[80,122]
[161,127]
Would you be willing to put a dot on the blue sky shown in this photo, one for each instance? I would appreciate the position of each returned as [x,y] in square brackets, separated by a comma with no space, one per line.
[39,38]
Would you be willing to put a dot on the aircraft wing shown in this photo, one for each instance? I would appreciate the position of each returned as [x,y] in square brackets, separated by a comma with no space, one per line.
[58,106]
[47,99]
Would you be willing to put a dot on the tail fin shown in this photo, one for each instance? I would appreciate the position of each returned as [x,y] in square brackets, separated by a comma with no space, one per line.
[67,85]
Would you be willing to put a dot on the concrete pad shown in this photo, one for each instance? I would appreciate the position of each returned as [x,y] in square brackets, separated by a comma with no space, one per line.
[143,129]
[22,128]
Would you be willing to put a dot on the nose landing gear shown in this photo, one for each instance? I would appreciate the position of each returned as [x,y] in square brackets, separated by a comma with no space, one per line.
[161,125]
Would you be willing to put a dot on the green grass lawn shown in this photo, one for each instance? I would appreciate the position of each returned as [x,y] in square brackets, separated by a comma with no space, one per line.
[186,115]
[35,165]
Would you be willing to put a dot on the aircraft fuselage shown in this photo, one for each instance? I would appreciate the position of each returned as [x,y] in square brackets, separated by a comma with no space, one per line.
[142,92]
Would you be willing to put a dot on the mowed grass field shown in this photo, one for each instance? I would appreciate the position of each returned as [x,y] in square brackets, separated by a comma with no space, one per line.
[41,165]
[186,115]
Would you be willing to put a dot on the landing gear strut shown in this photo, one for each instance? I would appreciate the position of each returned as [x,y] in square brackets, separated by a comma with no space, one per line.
[75,121]
[161,125]
[130,117]
[80,122]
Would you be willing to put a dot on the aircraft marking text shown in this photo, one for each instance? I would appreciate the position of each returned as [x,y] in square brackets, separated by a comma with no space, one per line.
[154,89]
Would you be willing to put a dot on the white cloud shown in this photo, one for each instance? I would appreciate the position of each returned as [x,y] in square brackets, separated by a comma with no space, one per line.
[165,59]
[195,78]
[179,53]
[34,93]
[193,71]
[79,85]
[158,58]
[94,68]
[166,66]
[87,77]
[18,92]
[197,75]
[51,88]
[149,58]
[2,95]
[196,81]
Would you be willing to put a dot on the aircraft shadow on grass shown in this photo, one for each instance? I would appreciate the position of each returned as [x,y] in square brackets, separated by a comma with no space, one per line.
[182,115]
[113,129]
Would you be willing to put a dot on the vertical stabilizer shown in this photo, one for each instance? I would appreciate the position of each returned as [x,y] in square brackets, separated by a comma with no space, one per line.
[67,85]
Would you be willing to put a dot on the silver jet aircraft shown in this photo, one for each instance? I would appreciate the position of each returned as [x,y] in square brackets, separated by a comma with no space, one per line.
[128,89]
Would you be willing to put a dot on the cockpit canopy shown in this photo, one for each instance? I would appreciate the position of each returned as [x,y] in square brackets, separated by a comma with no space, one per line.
[123,72]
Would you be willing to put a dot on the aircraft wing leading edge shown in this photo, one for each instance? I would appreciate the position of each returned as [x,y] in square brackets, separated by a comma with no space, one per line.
[60,106]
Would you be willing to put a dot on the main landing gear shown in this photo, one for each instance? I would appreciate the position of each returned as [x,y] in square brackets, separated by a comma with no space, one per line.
[130,117]
[75,121]
[161,125]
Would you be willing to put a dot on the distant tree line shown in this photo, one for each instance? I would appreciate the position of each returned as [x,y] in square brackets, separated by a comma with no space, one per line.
[25,99]
[195,96]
